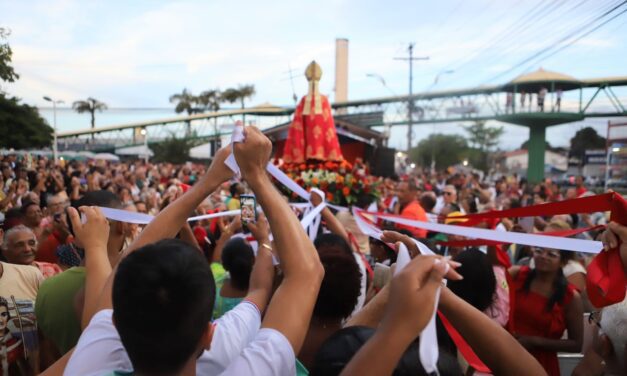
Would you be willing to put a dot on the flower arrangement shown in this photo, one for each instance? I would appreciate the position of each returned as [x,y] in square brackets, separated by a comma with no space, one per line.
[342,182]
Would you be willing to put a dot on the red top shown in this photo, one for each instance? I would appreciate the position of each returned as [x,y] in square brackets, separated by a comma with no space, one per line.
[47,251]
[532,319]
[413,210]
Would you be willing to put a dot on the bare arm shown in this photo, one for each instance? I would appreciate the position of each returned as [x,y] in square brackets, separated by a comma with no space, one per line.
[169,221]
[412,297]
[303,272]
[187,235]
[493,344]
[58,367]
[227,232]
[372,313]
[262,275]
[333,224]
[93,235]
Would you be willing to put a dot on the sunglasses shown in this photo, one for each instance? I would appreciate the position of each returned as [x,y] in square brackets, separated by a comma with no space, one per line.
[548,252]
[448,193]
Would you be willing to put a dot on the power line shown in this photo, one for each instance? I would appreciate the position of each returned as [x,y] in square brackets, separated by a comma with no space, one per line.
[583,35]
[531,20]
[410,100]
[555,26]
[565,38]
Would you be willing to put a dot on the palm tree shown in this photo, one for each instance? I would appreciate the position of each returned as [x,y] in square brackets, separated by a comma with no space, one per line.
[185,103]
[241,93]
[90,105]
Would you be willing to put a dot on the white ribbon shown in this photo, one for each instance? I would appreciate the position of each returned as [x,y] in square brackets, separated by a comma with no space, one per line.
[428,346]
[126,216]
[144,219]
[544,241]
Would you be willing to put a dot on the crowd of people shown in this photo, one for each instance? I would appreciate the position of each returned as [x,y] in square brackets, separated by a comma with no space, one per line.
[82,294]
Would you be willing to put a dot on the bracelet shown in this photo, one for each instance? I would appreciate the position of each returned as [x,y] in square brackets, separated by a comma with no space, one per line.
[264,245]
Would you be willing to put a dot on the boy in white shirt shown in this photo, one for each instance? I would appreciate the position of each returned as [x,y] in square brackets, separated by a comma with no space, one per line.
[162,292]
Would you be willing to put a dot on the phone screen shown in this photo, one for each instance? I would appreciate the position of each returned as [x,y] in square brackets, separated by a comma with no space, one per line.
[248,208]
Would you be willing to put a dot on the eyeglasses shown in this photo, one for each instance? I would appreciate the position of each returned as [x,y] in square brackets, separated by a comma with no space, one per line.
[548,252]
[594,318]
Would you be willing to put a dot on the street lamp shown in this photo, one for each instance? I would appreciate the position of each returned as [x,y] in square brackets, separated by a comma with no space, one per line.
[144,133]
[54,111]
[381,80]
[437,76]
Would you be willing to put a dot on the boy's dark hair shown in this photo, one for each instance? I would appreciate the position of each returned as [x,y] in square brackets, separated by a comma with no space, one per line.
[163,297]
[103,198]
[238,259]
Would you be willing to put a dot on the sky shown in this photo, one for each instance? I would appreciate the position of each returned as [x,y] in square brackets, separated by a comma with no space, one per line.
[133,55]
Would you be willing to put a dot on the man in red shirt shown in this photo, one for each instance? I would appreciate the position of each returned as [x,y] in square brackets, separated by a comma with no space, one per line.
[410,208]
[579,183]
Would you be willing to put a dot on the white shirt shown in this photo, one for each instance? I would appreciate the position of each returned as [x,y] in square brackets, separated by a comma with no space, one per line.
[439,204]
[573,267]
[238,348]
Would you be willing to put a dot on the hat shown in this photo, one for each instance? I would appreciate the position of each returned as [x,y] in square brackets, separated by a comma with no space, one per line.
[451,218]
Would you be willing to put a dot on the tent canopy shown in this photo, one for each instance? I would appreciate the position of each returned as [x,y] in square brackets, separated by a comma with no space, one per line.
[137,150]
[201,151]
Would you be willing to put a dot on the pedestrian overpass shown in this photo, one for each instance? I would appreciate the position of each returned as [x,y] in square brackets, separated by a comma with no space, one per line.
[566,99]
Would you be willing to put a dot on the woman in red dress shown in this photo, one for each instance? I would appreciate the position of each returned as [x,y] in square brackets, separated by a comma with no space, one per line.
[545,305]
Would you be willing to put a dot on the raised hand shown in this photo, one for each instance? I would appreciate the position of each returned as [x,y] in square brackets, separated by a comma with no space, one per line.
[611,236]
[253,154]
[260,229]
[218,169]
[94,233]
[393,237]
[412,296]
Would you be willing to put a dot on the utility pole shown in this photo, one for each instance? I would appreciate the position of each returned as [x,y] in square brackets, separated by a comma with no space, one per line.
[410,101]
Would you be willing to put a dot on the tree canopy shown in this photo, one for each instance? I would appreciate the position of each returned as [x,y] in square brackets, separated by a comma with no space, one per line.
[447,150]
[21,126]
[483,137]
[210,100]
[172,150]
[586,139]
[525,145]
[7,73]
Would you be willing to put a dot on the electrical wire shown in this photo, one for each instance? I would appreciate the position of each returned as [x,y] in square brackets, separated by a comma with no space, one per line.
[564,39]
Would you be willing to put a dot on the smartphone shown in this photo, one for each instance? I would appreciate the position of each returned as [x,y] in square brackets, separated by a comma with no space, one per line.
[382,275]
[248,207]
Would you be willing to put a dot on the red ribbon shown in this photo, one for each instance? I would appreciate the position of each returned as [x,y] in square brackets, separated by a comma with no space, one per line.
[463,347]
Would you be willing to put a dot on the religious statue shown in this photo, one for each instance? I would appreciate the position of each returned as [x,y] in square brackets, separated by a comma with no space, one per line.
[312,135]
